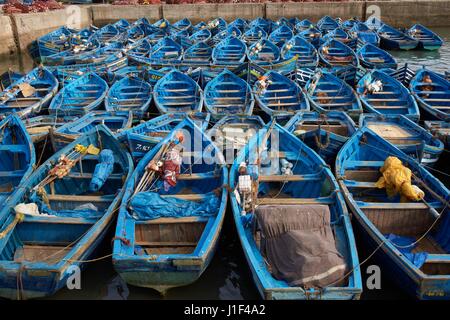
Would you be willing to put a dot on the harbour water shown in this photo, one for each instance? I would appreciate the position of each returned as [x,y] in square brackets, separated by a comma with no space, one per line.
[228,276]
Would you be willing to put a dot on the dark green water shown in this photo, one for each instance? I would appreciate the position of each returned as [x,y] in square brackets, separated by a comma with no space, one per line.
[228,276]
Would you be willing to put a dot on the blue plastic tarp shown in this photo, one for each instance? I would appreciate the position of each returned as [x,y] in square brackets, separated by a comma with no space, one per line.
[102,170]
[418,259]
[150,205]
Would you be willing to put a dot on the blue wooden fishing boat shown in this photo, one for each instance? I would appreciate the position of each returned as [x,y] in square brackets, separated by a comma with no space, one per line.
[62,220]
[183,24]
[405,237]
[283,21]
[177,92]
[374,23]
[74,53]
[163,24]
[280,35]
[264,24]
[239,23]
[103,54]
[122,25]
[325,133]
[432,92]
[191,217]
[129,94]
[141,48]
[217,25]
[308,57]
[230,31]
[82,36]
[327,24]
[17,154]
[293,22]
[393,39]
[372,57]
[279,96]
[303,25]
[230,51]
[231,133]
[135,33]
[39,127]
[69,132]
[199,53]
[406,135]
[227,94]
[51,43]
[67,74]
[112,76]
[80,96]
[326,93]
[199,26]
[312,35]
[364,35]
[30,94]
[338,34]
[382,94]
[336,55]
[440,129]
[263,53]
[182,38]
[166,50]
[202,35]
[428,40]
[107,34]
[254,34]
[142,138]
[349,23]
[277,206]
[9,77]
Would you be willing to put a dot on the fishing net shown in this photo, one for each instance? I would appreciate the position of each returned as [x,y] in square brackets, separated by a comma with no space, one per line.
[299,245]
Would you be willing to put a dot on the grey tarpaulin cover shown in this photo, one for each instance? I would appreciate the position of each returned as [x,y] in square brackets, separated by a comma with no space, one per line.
[299,245]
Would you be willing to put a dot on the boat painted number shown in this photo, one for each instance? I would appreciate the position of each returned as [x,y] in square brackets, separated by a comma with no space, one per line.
[140,147]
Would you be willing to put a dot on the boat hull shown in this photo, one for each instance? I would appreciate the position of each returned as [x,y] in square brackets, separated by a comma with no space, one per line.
[398,272]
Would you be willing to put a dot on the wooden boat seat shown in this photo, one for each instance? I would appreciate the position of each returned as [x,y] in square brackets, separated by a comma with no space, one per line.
[190,197]
[279,97]
[76,198]
[342,104]
[115,176]
[360,184]
[329,98]
[14,148]
[383,100]
[390,107]
[432,92]
[397,206]
[364,164]
[283,104]
[12,174]
[36,253]
[193,219]
[295,201]
[284,178]
[437,100]
[198,176]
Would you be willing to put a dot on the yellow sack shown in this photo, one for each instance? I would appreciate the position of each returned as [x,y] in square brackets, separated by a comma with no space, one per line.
[397,180]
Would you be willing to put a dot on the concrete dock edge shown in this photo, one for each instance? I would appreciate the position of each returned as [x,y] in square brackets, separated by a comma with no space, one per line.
[19,30]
